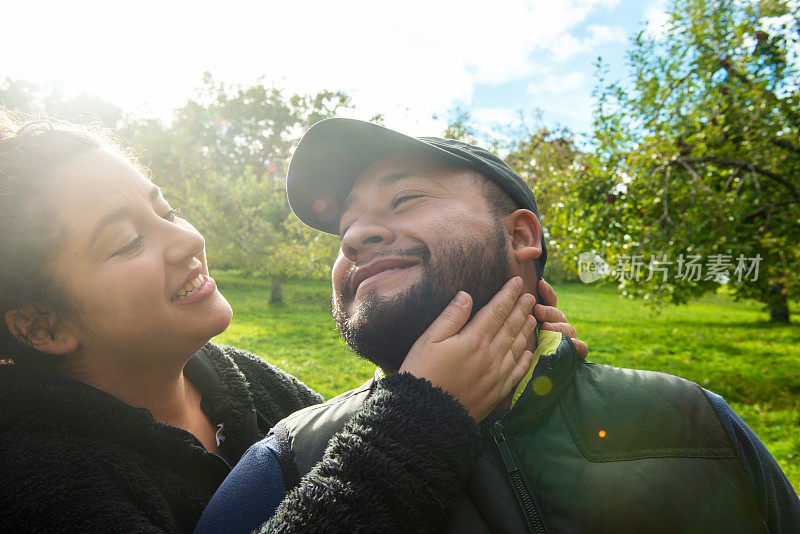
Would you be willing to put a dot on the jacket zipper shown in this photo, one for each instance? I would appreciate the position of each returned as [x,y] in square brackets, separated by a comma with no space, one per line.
[521,491]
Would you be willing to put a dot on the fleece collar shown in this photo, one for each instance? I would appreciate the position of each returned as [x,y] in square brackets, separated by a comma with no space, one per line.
[57,407]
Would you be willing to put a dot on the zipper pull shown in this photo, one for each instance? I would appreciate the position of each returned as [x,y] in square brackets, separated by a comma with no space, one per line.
[502,446]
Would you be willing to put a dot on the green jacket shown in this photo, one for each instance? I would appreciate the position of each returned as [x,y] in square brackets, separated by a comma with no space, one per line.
[585,448]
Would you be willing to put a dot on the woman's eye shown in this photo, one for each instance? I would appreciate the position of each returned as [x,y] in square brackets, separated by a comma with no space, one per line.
[131,246]
[171,215]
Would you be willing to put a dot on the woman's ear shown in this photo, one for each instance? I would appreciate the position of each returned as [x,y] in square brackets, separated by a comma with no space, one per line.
[526,235]
[36,327]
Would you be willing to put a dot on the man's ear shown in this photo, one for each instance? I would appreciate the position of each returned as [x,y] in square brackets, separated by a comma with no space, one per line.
[36,327]
[526,234]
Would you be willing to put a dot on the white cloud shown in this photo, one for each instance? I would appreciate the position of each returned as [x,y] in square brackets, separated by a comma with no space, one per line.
[555,84]
[601,34]
[572,97]
[496,122]
[656,20]
[567,45]
[406,60]
[496,115]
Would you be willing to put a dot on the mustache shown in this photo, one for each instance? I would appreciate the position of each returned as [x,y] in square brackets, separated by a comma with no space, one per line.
[421,251]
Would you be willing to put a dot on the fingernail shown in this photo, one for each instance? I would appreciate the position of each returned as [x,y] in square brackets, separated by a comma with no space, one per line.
[531,321]
[518,282]
[461,299]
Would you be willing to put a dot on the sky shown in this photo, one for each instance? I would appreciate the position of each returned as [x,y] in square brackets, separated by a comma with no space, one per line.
[407,60]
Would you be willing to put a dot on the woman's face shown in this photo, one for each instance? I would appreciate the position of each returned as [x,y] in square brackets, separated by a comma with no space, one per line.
[127,262]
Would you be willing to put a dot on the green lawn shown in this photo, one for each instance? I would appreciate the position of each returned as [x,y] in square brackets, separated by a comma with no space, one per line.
[725,346]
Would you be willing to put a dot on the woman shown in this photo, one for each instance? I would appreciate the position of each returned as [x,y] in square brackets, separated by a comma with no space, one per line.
[119,415]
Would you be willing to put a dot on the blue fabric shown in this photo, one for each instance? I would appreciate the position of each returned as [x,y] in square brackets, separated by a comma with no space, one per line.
[249,495]
[777,501]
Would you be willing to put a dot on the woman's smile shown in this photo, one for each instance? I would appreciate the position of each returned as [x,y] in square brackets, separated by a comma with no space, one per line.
[199,288]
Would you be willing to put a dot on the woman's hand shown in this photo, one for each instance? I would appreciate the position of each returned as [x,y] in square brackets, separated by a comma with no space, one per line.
[481,363]
[551,318]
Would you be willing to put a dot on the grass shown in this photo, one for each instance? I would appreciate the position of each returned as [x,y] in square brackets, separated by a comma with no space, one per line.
[727,347]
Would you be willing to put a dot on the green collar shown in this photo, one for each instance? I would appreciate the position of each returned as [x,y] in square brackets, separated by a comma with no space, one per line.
[548,342]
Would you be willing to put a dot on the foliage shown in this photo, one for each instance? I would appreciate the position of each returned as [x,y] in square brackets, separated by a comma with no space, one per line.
[459,126]
[699,155]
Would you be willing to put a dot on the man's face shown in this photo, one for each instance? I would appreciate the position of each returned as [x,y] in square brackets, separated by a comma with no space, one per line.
[413,235]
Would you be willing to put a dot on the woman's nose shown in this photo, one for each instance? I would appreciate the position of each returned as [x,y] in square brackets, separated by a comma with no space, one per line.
[185,242]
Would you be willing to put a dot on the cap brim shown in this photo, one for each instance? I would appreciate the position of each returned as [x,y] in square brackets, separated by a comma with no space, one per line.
[329,158]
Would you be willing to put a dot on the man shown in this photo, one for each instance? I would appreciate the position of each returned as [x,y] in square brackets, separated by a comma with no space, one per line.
[578,447]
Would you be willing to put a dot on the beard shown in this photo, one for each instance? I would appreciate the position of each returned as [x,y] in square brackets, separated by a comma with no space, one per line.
[383,329]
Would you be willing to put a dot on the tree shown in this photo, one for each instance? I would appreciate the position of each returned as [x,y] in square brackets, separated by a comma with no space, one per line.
[699,156]
[459,126]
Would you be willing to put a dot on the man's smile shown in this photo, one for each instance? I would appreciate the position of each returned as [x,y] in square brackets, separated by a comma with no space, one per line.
[379,269]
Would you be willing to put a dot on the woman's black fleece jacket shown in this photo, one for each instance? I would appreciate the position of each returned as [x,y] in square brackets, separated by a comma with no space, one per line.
[75,459]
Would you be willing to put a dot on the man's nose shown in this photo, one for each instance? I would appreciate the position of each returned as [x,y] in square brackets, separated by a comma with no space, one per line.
[362,238]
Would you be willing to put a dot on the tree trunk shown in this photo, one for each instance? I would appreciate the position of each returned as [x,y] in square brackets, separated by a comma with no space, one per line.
[779,312]
[276,292]
[778,306]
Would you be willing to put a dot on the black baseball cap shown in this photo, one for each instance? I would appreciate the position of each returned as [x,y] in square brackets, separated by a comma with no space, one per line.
[333,153]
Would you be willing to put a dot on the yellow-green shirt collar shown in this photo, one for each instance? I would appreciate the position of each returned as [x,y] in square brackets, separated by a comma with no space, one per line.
[548,342]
